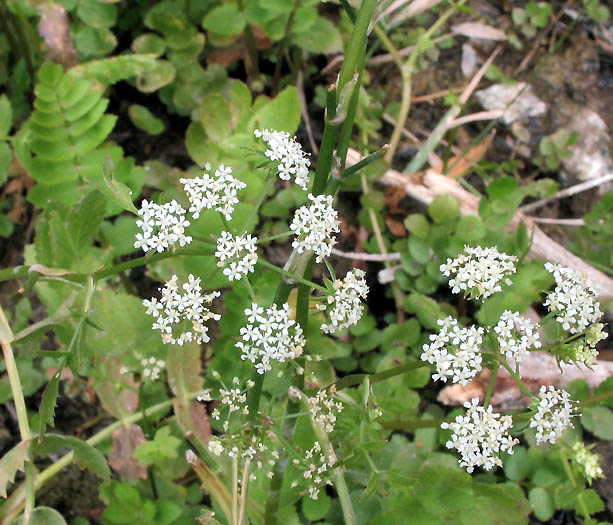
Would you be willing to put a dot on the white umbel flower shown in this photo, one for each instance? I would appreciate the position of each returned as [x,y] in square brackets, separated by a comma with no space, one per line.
[270,336]
[553,415]
[516,335]
[573,299]
[480,436]
[152,368]
[479,271]
[162,225]
[284,149]
[236,255]
[346,302]
[181,312]
[217,191]
[314,225]
[454,351]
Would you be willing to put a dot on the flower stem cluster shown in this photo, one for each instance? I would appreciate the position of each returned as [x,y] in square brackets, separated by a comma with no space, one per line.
[217,191]
[270,336]
[480,436]
[586,461]
[284,149]
[237,255]
[324,409]
[479,271]
[315,468]
[180,307]
[152,368]
[162,225]
[454,351]
[553,415]
[346,305]
[314,226]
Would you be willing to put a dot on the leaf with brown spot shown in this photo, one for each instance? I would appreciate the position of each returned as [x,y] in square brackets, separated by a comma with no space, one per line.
[54,27]
[396,227]
[125,440]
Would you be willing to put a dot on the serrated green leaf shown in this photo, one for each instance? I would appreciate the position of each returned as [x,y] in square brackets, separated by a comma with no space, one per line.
[86,456]
[164,446]
[11,462]
[46,410]
[110,70]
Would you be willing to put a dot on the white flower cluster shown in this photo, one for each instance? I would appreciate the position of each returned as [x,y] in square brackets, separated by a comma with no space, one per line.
[162,225]
[480,436]
[588,462]
[454,351]
[324,409]
[479,271]
[516,335]
[317,465]
[237,255]
[270,336]
[216,191]
[347,307]
[314,225]
[284,148]
[177,308]
[152,368]
[573,299]
[553,415]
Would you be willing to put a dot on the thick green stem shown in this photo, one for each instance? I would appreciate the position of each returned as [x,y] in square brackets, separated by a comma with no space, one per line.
[490,388]
[326,150]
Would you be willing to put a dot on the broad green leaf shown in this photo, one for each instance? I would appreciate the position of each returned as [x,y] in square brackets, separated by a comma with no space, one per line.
[215,117]
[425,308]
[417,224]
[199,148]
[6,115]
[598,420]
[281,114]
[94,42]
[43,516]
[11,462]
[5,162]
[143,119]
[542,503]
[161,75]
[86,456]
[316,509]
[225,20]
[113,190]
[321,37]
[149,44]
[518,466]
[97,14]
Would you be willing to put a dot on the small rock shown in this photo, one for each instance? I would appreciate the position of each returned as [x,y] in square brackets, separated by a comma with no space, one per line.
[522,103]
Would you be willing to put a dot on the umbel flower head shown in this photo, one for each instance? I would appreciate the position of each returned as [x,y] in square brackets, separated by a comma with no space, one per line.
[479,271]
[346,302]
[162,225]
[270,336]
[314,225]
[516,335]
[181,313]
[454,351]
[152,368]
[553,415]
[236,255]
[217,191]
[573,301]
[587,462]
[284,149]
[480,436]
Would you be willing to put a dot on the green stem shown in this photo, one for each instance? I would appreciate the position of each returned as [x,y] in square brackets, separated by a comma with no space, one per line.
[326,149]
[357,379]
[412,424]
[571,477]
[518,380]
[292,276]
[490,388]
[6,335]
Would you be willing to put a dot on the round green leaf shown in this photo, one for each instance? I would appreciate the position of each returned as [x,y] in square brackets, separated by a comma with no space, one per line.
[321,37]
[225,20]
[417,224]
[444,208]
[470,228]
[316,509]
[149,44]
